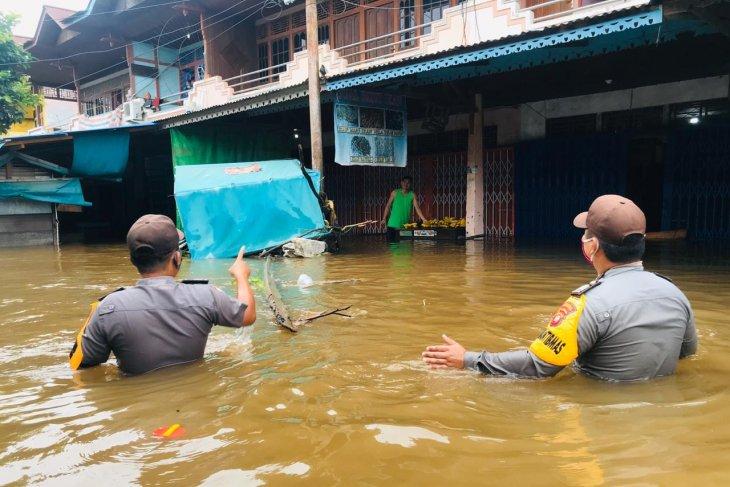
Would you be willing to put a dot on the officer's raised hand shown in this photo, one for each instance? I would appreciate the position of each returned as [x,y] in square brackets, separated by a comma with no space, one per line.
[451,354]
[239,269]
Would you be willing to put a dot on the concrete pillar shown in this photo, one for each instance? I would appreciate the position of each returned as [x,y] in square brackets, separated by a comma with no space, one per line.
[475,173]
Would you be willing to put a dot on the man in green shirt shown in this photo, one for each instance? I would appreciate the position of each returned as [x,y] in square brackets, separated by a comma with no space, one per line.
[398,209]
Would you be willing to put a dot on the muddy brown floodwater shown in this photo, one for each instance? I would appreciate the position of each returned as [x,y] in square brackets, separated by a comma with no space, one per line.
[347,401]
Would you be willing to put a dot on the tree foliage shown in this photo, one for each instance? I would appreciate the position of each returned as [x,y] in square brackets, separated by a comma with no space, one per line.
[16,94]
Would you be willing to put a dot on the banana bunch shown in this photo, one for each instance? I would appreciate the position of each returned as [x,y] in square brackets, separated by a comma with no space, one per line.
[446,222]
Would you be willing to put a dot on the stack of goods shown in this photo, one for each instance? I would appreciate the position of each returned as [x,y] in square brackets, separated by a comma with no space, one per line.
[446,222]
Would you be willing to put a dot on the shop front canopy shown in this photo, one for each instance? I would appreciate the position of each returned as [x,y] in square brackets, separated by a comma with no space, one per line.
[60,191]
[253,204]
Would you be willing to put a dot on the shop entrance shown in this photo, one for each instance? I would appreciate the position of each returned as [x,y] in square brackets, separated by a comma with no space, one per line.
[645,178]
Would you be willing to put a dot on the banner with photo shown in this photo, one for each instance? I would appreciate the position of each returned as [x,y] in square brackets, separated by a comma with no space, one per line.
[370,129]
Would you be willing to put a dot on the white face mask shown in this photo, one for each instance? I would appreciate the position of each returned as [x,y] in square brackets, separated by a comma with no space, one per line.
[588,258]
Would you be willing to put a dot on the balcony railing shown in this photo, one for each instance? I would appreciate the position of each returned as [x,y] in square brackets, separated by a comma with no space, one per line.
[173,100]
[254,79]
[550,9]
[430,36]
[378,47]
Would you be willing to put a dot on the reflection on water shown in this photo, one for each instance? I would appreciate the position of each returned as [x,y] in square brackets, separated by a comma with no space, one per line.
[347,399]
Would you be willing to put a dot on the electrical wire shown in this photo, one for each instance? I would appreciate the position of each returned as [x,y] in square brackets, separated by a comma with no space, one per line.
[77,12]
[124,62]
[169,42]
[159,73]
[108,12]
[100,51]
[445,3]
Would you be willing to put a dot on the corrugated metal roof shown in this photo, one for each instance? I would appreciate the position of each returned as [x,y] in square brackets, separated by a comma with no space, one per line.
[69,134]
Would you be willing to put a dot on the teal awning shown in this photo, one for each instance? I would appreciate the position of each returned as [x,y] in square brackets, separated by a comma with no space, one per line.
[100,154]
[62,191]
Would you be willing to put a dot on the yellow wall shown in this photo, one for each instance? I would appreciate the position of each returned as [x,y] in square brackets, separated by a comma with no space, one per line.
[22,127]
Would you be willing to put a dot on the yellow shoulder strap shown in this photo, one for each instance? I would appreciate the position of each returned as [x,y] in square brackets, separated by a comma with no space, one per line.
[558,344]
[77,354]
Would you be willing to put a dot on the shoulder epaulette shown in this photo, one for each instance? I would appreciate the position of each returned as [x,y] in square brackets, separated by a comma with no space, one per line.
[585,288]
[195,281]
[663,277]
[107,294]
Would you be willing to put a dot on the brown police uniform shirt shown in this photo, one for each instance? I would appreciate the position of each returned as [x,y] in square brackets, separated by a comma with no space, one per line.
[157,323]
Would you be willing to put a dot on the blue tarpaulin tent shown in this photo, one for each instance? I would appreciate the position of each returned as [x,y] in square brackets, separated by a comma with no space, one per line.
[256,204]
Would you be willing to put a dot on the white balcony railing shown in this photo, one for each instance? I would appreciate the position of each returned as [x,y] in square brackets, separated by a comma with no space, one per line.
[252,80]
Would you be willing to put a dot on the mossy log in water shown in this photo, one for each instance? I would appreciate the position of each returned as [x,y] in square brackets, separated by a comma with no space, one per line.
[281,314]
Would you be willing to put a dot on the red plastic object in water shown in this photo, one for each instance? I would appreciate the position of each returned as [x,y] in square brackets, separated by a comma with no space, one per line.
[169,432]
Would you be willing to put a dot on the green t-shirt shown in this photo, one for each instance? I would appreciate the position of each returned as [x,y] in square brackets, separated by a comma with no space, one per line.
[400,212]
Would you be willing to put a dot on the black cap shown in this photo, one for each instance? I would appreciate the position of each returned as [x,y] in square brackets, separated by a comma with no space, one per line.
[152,235]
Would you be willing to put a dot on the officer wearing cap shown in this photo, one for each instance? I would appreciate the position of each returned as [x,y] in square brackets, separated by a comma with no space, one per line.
[160,322]
[627,324]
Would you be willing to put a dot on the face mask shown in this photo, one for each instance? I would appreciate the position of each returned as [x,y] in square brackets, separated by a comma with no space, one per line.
[588,258]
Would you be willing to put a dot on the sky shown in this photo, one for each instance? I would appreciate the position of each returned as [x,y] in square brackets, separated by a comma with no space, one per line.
[30,12]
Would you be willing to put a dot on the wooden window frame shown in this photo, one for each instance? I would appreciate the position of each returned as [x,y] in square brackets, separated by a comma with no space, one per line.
[264,33]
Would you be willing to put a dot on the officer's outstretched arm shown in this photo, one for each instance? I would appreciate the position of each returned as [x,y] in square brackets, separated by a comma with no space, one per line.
[569,333]
[520,363]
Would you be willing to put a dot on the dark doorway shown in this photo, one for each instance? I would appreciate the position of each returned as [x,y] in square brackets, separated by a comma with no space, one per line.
[645,178]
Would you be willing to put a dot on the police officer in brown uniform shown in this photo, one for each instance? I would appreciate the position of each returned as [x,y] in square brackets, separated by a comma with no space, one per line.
[160,322]
[627,324]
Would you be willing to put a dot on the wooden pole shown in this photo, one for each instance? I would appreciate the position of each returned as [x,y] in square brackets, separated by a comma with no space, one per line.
[130,62]
[207,47]
[77,87]
[315,110]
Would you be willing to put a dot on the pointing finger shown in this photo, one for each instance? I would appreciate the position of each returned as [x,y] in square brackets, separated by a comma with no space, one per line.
[437,348]
[241,252]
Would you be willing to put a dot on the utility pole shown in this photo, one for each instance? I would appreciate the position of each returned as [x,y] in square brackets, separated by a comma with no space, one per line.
[77,87]
[315,110]
[208,55]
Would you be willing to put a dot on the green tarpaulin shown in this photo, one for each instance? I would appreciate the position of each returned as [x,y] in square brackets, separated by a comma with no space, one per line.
[221,144]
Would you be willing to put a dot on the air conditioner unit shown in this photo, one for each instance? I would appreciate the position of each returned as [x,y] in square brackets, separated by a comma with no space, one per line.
[132,110]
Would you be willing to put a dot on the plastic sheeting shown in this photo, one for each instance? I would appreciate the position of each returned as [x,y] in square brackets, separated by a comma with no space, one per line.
[101,154]
[256,204]
[224,144]
[62,191]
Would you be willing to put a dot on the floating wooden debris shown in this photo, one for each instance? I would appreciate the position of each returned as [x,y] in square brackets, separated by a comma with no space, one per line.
[281,315]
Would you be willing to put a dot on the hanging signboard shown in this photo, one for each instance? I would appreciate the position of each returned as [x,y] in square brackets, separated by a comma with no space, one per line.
[370,129]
